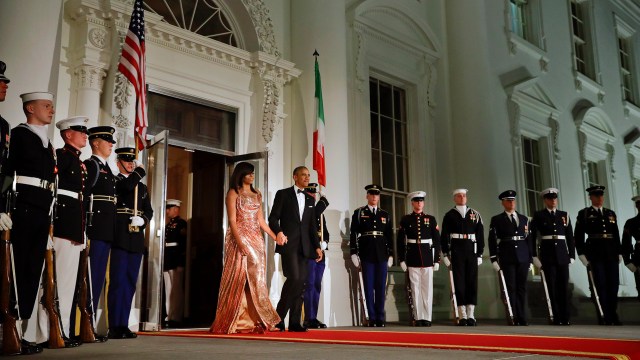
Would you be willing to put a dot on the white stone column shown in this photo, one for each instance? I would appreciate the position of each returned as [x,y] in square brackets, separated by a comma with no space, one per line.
[88,81]
[321,26]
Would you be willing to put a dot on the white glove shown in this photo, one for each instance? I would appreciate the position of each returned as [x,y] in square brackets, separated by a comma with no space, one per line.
[620,259]
[323,245]
[537,262]
[355,260]
[5,222]
[572,260]
[584,260]
[49,243]
[632,267]
[321,194]
[403,265]
[436,266]
[479,261]
[496,266]
[446,261]
[390,261]
[138,163]
[83,246]
[136,221]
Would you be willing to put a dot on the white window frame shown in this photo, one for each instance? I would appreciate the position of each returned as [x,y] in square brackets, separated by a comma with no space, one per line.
[533,41]
[533,115]
[625,33]
[591,77]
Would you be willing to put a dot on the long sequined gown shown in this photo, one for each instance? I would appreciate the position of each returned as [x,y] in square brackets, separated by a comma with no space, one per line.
[243,301]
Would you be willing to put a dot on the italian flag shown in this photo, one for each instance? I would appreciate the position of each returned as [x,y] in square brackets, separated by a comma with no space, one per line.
[318,134]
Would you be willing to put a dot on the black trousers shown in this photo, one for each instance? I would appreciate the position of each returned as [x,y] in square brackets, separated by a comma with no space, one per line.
[294,267]
[557,277]
[607,278]
[29,238]
[515,275]
[464,265]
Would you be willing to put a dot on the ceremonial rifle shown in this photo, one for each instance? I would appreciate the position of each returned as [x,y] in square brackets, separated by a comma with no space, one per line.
[546,294]
[10,337]
[505,297]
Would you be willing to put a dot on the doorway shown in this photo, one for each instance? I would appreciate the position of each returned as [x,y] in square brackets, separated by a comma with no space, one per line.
[197,178]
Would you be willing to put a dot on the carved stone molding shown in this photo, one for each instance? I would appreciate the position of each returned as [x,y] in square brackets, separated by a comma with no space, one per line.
[89,77]
[514,119]
[554,124]
[361,71]
[98,38]
[264,26]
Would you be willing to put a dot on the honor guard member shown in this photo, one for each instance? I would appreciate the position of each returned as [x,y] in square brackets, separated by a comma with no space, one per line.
[128,244]
[68,223]
[32,159]
[101,205]
[5,220]
[553,250]
[175,256]
[630,252]
[315,270]
[419,254]
[371,244]
[462,247]
[510,252]
[598,245]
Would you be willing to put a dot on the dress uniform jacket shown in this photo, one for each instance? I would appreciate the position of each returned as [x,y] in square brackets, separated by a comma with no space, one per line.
[509,245]
[321,206]
[28,157]
[418,240]
[552,237]
[69,220]
[131,241]
[371,235]
[631,253]
[175,251]
[603,242]
[471,224]
[101,183]
[4,154]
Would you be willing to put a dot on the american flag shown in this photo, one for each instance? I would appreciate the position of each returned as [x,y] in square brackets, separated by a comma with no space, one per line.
[132,66]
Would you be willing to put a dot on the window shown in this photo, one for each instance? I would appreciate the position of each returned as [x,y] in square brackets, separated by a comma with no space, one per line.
[524,21]
[625,56]
[583,57]
[532,173]
[518,10]
[389,157]
[593,178]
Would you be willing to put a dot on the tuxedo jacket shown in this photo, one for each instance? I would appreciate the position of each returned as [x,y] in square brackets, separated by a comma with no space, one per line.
[302,234]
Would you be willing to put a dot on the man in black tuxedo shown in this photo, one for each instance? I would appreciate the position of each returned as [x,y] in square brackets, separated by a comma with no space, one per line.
[293,221]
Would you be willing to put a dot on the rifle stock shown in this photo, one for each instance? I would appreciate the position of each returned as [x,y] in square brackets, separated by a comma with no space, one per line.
[10,337]
[546,295]
[363,299]
[87,333]
[505,298]
[50,299]
[454,301]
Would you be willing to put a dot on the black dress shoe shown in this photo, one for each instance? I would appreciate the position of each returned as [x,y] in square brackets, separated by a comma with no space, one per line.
[279,326]
[297,328]
[523,323]
[472,322]
[371,323]
[116,333]
[419,323]
[27,348]
[462,322]
[128,334]
[320,324]
[71,343]
[426,323]
[380,323]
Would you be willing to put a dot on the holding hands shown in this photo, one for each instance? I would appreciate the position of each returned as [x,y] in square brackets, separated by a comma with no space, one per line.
[281,239]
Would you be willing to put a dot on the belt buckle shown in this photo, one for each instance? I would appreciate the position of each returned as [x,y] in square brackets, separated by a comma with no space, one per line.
[465,236]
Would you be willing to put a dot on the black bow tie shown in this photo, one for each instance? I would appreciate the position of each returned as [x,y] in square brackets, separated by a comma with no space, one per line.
[300,191]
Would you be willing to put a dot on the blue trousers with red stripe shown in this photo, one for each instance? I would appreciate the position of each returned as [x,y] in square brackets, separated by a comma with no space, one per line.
[123,274]
[374,276]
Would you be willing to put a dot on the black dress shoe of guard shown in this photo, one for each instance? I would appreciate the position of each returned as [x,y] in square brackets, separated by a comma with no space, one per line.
[426,323]
[116,333]
[419,323]
[472,322]
[297,328]
[320,324]
[71,343]
[523,322]
[128,334]
[371,323]
[27,348]
[462,322]
[279,326]
[380,323]
[311,324]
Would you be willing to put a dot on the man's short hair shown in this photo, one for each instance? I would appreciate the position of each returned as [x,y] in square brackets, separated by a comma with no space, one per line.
[298,169]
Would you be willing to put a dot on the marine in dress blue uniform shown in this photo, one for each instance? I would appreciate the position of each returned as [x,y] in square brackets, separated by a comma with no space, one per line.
[371,244]
[598,245]
[553,250]
[315,269]
[32,159]
[419,254]
[631,252]
[175,256]
[128,244]
[462,247]
[510,251]
[100,200]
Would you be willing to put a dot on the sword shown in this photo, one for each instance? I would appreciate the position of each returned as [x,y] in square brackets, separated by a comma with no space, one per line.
[546,294]
[507,301]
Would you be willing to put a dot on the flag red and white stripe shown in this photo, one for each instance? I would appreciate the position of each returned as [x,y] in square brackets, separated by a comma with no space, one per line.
[318,134]
[132,66]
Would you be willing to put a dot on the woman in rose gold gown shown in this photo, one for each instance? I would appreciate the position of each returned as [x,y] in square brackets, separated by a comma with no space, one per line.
[243,301]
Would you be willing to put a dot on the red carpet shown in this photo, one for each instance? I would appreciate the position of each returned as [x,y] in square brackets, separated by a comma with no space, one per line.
[543,345]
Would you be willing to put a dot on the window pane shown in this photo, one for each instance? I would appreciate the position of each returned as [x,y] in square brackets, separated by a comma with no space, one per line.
[375,166]
[399,138]
[386,202]
[388,171]
[373,96]
[375,132]
[398,104]
[400,166]
[386,130]
[386,101]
